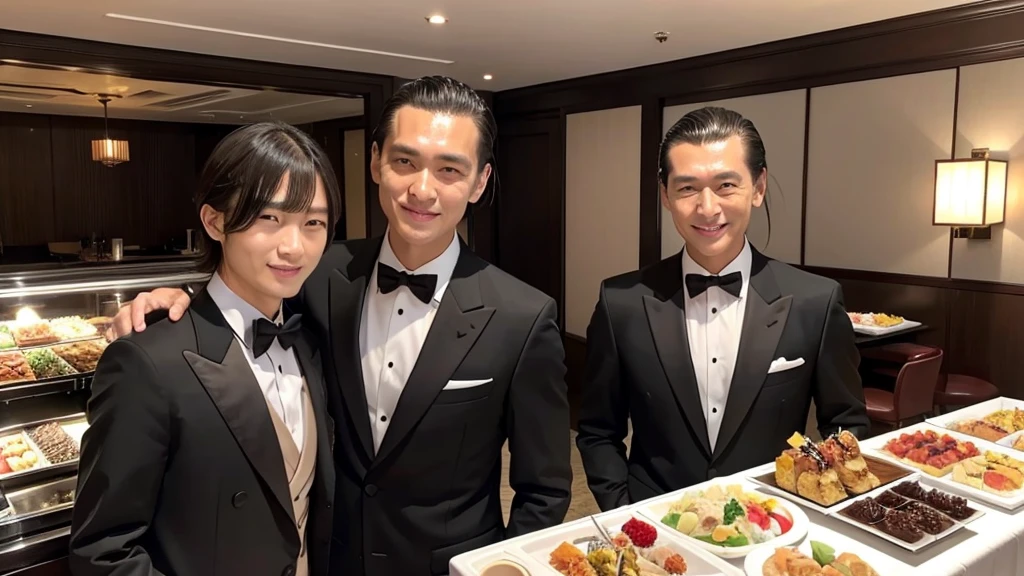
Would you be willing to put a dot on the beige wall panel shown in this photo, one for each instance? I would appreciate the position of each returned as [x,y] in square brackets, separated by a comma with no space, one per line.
[779,118]
[991,115]
[355,184]
[602,206]
[871,174]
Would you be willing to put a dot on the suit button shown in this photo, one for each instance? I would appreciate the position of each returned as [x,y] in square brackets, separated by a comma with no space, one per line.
[239,499]
[289,571]
[712,473]
[371,490]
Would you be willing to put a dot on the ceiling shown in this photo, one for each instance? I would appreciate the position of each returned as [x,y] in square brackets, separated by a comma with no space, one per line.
[520,43]
[30,88]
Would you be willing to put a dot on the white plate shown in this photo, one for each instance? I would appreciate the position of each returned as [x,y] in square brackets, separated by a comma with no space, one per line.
[753,565]
[1011,501]
[1008,441]
[925,541]
[698,562]
[655,510]
[881,331]
[976,411]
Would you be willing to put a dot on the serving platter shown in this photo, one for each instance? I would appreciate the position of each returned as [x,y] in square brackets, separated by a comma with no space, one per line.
[943,477]
[656,509]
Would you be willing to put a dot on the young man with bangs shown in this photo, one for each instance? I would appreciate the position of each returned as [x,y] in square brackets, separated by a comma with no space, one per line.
[434,357]
[209,446]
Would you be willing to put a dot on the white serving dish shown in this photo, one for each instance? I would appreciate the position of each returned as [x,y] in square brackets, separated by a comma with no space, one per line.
[924,542]
[882,331]
[1009,502]
[753,565]
[1008,441]
[654,510]
[698,562]
[976,411]
[475,562]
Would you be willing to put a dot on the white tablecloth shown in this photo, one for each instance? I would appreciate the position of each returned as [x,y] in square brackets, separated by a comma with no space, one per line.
[992,545]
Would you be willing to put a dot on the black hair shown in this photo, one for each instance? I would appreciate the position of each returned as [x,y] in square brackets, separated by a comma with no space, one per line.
[715,124]
[441,94]
[244,171]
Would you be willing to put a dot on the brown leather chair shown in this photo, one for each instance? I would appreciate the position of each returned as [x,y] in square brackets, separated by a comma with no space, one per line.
[962,390]
[913,394]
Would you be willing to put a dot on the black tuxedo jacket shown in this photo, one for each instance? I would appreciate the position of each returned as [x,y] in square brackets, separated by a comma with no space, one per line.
[181,470]
[432,490]
[639,370]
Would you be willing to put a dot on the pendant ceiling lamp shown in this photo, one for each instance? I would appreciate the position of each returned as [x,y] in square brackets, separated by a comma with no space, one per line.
[109,152]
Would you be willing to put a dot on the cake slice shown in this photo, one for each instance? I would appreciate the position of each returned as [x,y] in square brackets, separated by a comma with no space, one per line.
[843,453]
[805,471]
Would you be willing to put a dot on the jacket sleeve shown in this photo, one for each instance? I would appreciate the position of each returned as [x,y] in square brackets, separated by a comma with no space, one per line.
[121,467]
[838,392]
[604,416]
[538,430]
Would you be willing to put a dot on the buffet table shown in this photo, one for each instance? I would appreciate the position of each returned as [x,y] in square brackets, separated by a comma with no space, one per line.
[989,543]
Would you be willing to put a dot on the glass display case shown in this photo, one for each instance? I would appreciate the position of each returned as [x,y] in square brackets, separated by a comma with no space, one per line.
[52,325]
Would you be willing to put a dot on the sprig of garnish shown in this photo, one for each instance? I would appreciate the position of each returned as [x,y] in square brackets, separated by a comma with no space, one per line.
[733,510]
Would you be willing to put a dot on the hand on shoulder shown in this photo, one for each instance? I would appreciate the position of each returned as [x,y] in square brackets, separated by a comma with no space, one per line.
[133,315]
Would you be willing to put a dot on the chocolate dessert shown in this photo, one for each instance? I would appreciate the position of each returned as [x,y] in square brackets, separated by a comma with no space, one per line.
[890,499]
[928,519]
[866,511]
[900,524]
[911,489]
[953,506]
[55,443]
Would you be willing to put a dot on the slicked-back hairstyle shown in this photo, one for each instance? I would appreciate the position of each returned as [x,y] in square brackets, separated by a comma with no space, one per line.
[244,171]
[441,95]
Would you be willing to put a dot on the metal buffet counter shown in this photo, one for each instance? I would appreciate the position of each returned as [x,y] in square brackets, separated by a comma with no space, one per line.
[51,337]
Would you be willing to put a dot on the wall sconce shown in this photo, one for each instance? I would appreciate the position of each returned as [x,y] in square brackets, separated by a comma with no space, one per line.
[970,194]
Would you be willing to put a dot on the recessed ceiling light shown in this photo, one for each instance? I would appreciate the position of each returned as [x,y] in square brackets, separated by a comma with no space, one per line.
[488,77]
[274,38]
[437,19]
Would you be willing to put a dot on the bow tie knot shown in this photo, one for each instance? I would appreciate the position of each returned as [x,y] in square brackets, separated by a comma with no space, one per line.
[421,285]
[264,332]
[697,284]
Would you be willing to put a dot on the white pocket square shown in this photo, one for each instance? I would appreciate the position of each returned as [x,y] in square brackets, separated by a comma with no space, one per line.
[782,364]
[460,384]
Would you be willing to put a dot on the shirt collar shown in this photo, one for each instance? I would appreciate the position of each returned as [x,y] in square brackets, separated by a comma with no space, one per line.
[443,266]
[239,314]
[739,264]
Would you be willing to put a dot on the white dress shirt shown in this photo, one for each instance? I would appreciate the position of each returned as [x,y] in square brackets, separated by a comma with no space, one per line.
[714,322]
[392,331]
[277,371]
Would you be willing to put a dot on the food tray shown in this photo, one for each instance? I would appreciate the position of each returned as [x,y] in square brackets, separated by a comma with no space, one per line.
[926,539]
[14,354]
[36,355]
[1010,440]
[886,471]
[41,461]
[1012,501]
[72,425]
[698,562]
[654,510]
[871,330]
[975,411]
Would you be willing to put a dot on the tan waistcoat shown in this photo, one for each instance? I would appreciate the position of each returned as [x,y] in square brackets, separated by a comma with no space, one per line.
[299,468]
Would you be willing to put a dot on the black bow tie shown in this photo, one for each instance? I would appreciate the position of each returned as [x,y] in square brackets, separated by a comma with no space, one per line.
[264,331]
[696,284]
[421,285]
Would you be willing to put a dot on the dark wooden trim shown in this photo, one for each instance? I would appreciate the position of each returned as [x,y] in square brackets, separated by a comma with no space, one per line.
[978,32]
[952,156]
[803,195]
[560,153]
[962,284]
[191,68]
[571,336]
[651,118]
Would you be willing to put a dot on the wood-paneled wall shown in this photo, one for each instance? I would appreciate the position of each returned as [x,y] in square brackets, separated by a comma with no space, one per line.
[52,190]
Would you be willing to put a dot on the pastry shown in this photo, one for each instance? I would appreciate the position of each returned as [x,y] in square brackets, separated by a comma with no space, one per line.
[804,470]
[981,429]
[790,562]
[843,453]
[982,474]
[853,563]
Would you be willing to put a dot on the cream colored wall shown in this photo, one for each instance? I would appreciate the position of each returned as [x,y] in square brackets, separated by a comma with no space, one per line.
[990,114]
[602,206]
[355,184]
[871,173]
[779,119]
